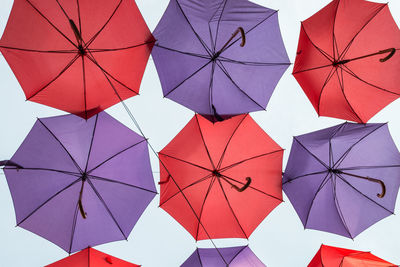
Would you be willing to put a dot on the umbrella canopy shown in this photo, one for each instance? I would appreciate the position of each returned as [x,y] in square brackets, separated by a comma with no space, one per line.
[346,59]
[90,257]
[219,58]
[343,179]
[78,56]
[221,180]
[233,257]
[339,257]
[80,183]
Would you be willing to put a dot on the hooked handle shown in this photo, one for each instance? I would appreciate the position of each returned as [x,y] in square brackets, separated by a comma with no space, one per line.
[241,189]
[10,163]
[240,29]
[382,184]
[391,50]
[82,211]
[166,181]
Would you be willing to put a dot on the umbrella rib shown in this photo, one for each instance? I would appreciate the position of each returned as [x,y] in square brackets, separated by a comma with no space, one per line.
[367,197]
[237,254]
[204,142]
[334,42]
[340,160]
[114,155]
[187,78]
[341,83]
[202,206]
[55,78]
[315,157]
[352,40]
[315,68]
[370,167]
[49,199]
[328,78]
[186,187]
[339,210]
[48,21]
[105,24]
[99,50]
[107,208]
[229,141]
[198,255]
[45,169]
[304,175]
[255,26]
[230,207]
[195,33]
[251,158]
[210,89]
[63,10]
[233,82]
[73,228]
[350,72]
[40,51]
[325,54]
[184,161]
[219,22]
[61,144]
[79,16]
[96,177]
[323,183]
[106,74]
[250,63]
[255,189]
[91,141]
[183,52]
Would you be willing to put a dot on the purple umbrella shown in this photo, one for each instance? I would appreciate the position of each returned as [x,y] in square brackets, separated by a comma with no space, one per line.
[219,58]
[233,256]
[80,183]
[343,179]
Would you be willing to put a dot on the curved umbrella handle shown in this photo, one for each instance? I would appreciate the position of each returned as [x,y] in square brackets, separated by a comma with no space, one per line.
[6,163]
[391,50]
[240,29]
[82,211]
[380,195]
[165,181]
[241,189]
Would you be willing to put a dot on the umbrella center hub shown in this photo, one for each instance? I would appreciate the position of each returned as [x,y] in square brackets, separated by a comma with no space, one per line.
[215,56]
[335,171]
[81,50]
[84,176]
[216,173]
[336,63]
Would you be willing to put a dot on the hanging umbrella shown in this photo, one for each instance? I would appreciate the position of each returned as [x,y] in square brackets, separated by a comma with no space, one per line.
[343,179]
[90,257]
[339,257]
[80,183]
[78,56]
[221,180]
[219,58]
[346,59]
[234,257]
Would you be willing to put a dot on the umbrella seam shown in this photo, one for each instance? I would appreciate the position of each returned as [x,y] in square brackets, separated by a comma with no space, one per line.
[202,206]
[95,177]
[303,175]
[315,157]
[183,52]
[237,254]
[91,141]
[218,23]
[328,78]
[338,209]
[73,228]
[184,161]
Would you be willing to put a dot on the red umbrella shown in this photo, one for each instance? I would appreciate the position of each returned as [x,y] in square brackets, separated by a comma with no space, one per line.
[346,60]
[90,257]
[78,56]
[339,257]
[221,180]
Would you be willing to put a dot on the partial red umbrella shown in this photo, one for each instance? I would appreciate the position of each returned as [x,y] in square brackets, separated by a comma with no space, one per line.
[78,56]
[221,180]
[346,60]
[328,256]
[91,257]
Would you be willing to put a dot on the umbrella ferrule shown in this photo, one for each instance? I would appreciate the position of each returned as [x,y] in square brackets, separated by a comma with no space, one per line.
[216,173]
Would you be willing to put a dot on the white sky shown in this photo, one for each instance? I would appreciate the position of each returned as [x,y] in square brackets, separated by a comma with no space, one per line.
[158,240]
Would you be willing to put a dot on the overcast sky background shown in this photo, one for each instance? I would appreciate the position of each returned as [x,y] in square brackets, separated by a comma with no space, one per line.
[157,239]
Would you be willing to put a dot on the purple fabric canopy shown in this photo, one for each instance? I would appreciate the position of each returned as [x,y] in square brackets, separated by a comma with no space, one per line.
[343,179]
[70,169]
[233,256]
[202,69]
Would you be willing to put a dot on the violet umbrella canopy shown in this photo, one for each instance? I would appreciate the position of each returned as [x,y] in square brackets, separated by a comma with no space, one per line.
[80,183]
[233,257]
[343,179]
[206,65]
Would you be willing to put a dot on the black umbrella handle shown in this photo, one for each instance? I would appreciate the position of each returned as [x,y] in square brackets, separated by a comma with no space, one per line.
[78,35]
[239,29]
[82,211]
[6,163]
[382,184]
[239,189]
[391,50]
[165,181]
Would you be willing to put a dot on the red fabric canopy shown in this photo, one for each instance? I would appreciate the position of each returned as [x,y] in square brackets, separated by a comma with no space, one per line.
[230,172]
[78,56]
